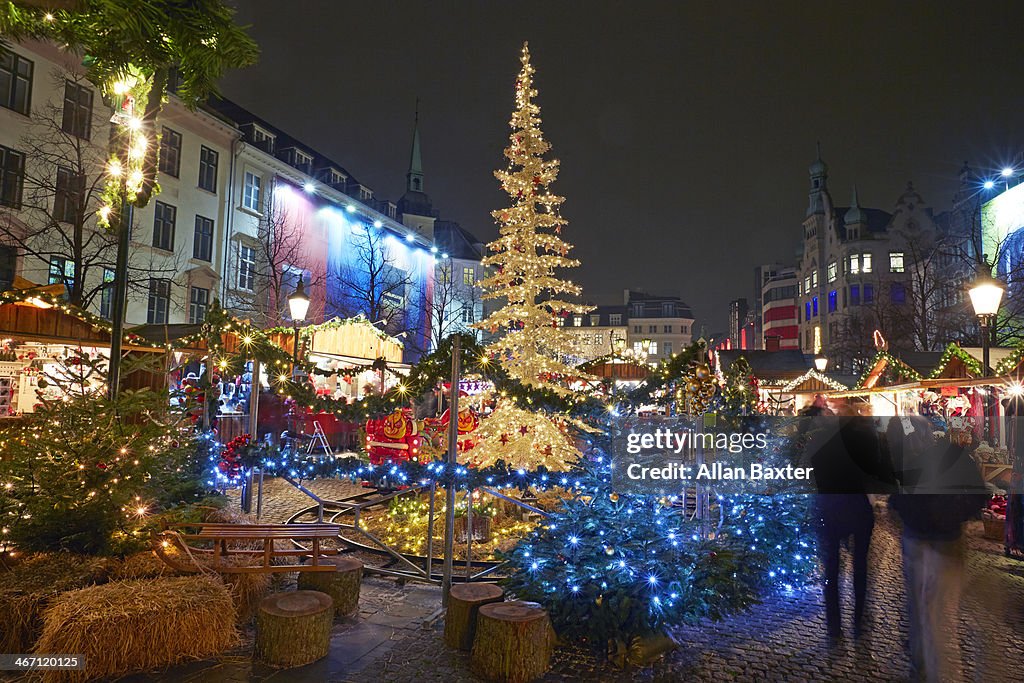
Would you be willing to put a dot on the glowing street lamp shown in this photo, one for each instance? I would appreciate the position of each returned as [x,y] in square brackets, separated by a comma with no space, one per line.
[820,362]
[986,294]
[298,306]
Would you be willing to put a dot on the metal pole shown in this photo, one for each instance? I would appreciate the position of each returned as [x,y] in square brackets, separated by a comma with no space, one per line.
[120,299]
[254,401]
[453,443]
[986,423]
[430,531]
[469,532]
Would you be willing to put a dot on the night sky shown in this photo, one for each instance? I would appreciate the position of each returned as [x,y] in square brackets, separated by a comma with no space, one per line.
[684,129]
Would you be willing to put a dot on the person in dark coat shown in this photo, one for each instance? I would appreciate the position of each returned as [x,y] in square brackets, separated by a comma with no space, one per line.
[947,491]
[848,464]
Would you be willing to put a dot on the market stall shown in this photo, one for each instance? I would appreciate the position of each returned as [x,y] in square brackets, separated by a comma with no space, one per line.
[45,344]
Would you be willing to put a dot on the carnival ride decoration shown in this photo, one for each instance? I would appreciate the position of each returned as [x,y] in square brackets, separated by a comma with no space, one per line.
[394,438]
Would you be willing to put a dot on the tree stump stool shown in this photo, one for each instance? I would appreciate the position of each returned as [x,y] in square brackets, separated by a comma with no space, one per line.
[342,585]
[513,643]
[464,601]
[294,628]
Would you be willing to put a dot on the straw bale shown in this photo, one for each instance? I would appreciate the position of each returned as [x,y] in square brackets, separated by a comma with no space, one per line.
[26,590]
[143,565]
[133,626]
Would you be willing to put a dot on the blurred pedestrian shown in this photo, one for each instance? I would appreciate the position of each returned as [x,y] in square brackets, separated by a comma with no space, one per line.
[848,464]
[947,490]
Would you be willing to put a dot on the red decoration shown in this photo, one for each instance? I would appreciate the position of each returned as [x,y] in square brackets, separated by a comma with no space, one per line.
[523,430]
[504,439]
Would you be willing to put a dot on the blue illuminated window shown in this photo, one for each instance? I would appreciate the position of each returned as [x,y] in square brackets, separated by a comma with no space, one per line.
[814,306]
[832,299]
[855,295]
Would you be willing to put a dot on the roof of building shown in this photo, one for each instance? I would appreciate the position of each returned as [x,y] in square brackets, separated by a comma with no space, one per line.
[242,116]
[457,242]
[922,362]
[877,220]
[653,304]
[603,313]
[768,365]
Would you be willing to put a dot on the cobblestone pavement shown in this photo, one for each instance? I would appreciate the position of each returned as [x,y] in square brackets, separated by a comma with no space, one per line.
[392,639]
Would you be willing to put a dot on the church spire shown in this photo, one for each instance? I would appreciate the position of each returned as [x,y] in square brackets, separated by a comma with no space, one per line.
[819,185]
[414,178]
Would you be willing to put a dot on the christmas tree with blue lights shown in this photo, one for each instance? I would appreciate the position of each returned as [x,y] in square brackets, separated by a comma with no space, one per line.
[617,571]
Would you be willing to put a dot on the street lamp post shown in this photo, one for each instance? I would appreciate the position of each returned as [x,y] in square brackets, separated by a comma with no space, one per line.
[820,362]
[298,306]
[986,294]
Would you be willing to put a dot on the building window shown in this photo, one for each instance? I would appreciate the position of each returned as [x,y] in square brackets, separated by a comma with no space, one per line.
[598,339]
[164,219]
[869,293]
[15,82]
[668,309]
[854,264]
[170,152]
[252,193]
[897,293]
[638,348]
[855,295]
[159,301]
[302,159]
[577,321]
[653,351]
[198,304]
[595,320]
[246,268]
[865,263]
[208,169]
[559,321]
[62,272]
[365,193]
[77,119]
[469,276]
[615,319]
[67,196]
[896,261]
[814,306]
[636,329]
[667,329]
[638,310]
[336,177]
[652,329]
[685,329]
[832,271]
[667,346]
[467,314]
[833,299]
[807,285]
[8,264]
[807,310]
[12,177]
[814,278]
[202,243]
[263,139]
[107,295]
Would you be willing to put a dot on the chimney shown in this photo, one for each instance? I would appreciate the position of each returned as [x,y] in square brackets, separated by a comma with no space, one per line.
[771,343]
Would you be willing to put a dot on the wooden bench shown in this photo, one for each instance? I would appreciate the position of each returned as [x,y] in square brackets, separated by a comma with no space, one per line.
[218,536]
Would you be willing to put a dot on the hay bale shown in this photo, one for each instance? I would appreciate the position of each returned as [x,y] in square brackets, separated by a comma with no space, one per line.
[134,626]
[144,565]
[247,589]
[26,590]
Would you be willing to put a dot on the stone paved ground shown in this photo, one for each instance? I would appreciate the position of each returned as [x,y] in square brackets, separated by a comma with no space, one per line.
[391,640]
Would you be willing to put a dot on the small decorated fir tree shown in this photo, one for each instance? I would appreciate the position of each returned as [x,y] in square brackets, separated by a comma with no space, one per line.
[83,473]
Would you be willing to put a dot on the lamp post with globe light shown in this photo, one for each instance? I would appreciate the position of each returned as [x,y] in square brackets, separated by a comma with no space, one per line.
[298,306]
[986,294]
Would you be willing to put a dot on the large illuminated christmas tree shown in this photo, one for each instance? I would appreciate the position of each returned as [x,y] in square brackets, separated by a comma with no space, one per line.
[532,346]
[524,258]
